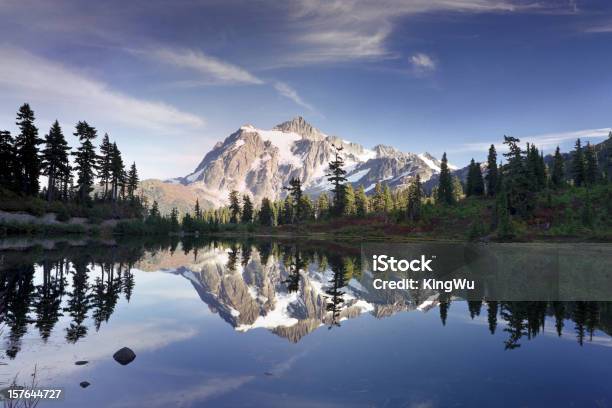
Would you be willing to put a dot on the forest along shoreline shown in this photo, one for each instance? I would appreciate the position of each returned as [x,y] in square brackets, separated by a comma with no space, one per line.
[530,197]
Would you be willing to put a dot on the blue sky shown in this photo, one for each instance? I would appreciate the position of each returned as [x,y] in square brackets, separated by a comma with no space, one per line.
[167,79]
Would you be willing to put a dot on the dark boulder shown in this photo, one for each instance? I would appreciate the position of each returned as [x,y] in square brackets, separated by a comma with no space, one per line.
[84,384]
[124,356]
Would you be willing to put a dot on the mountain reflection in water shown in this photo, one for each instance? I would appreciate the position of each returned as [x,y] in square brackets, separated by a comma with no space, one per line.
[286,287]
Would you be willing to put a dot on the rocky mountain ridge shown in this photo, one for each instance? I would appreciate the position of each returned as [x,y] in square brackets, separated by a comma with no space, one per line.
[260,162]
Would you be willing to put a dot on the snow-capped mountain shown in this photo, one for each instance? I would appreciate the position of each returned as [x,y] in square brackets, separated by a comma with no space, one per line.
[260,162]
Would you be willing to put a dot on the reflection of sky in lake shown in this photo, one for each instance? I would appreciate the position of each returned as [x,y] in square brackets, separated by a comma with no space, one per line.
[188,356]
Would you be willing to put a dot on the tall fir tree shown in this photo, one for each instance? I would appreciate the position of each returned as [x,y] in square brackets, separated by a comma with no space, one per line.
[378,199]
[492,172]
[306,208]
[387,199]
[445,193]
[266,213]
[197,211]
[557,175]
[105,163]
[336,176]
[117,175]
[247,209]
[288,210]
[85,160]
[349,200]
[475,182]
[362,204]
[295,191]
[590,163]
[132,182]
[517,184]
[28,162]
[174,219]
[578,165]
[55,160]
[415,195]
[322,206]
[7,160]
[234,207]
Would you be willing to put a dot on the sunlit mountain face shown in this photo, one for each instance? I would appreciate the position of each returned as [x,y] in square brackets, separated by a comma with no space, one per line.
[237,311]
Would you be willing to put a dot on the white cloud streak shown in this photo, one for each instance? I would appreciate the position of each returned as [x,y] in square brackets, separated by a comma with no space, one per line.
[217,71]
[288,92]
[210,67]
[35,79]
[343,30]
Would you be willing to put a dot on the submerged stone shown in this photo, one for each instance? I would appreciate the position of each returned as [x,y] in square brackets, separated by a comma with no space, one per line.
[124,356]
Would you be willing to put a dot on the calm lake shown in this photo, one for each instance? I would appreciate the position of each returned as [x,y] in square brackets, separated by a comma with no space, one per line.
[268,323]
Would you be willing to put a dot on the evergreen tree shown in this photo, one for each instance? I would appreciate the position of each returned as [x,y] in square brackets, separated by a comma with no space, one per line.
[457,189]
[197,211]
[445,193]
[54,159]
[517,183]
[492,172]
[557,176]
[288,216]
[349,200]
[27,159]
[154,212]
[105,163]
[266,213]
[469,188]
[378,199]
[85,160]
[336,176]
[504,222]
[306,208]
[362,205]
[295,191]
[7,160]
[174,219]
[387,199]
[132,181]
[591,168]
[247,209]
[578,165]
[475,182]
[118,175]
[322,206]
[234,207]
[415,194]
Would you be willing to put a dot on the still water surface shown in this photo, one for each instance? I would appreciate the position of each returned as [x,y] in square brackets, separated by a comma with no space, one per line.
[282,323]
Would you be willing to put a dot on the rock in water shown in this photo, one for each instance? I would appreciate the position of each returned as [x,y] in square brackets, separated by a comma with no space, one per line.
[124,356]
[81,362]
[84,384]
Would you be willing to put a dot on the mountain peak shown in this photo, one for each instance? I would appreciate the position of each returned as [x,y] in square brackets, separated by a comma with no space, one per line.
[299,125]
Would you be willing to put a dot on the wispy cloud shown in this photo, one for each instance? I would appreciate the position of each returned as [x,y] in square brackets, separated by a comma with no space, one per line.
[288,92]
[344,30]
[547,140]
[600,28]
[210,67]
[422,62]
[35,79]
[217,71]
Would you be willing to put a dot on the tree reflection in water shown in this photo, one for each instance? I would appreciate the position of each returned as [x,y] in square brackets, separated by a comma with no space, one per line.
[85,284]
